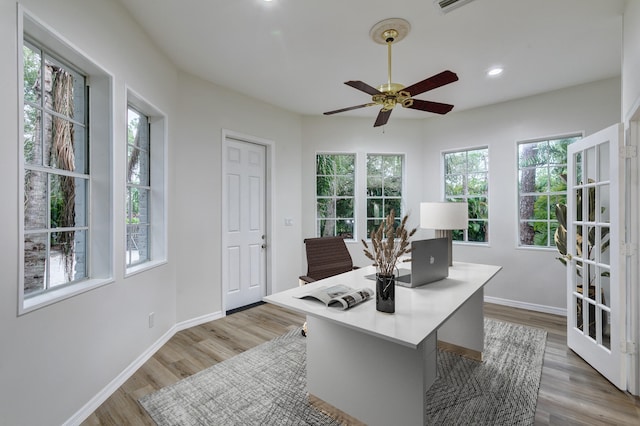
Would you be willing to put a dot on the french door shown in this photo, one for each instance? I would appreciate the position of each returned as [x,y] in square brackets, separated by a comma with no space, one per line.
[596,286]
[244,223]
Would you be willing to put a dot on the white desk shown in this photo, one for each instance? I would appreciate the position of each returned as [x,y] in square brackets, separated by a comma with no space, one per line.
[375,366]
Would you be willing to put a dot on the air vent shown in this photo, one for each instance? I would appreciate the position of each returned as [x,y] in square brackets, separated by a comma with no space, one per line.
[445,6]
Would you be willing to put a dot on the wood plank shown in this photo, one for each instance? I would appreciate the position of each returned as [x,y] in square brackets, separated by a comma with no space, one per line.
[459,350]
[333,412]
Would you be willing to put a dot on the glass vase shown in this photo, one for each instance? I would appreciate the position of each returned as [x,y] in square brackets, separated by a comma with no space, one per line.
[386,293]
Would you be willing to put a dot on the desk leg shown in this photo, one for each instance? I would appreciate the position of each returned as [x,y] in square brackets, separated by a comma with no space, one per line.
[463,332]
[374,380]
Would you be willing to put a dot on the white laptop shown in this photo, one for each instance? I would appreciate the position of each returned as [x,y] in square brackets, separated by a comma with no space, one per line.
[429,263]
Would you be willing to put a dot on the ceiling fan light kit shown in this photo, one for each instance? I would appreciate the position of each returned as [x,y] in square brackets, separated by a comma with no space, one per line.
[390,94]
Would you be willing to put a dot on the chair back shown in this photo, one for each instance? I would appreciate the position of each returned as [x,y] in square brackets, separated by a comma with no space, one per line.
[327,256]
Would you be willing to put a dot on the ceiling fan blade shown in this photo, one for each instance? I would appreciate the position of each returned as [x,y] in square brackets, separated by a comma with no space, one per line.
[349,108]
[433,82]
[362,86]
[435,107]
[383,117]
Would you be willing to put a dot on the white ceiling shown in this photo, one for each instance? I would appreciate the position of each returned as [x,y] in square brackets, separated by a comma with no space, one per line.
[297,54]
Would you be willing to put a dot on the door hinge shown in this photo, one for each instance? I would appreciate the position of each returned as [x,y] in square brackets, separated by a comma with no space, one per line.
[628,347]
[628,151]
[628,249]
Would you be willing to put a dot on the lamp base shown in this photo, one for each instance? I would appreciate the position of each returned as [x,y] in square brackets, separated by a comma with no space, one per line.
[448,234]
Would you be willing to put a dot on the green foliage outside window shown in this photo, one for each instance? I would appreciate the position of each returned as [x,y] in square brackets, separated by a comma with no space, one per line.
[542,172]
[384,188]
[133,204]
[138,187]
[335,188]
[466,179]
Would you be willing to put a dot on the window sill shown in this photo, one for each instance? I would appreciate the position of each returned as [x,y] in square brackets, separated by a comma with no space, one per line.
[471,243]
[142,267]
[537,248]
[40,301]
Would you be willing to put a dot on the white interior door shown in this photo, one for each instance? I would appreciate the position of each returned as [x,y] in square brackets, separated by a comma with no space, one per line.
[244,211]
[596,314]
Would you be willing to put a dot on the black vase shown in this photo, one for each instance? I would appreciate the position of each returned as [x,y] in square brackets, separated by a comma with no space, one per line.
[386,293]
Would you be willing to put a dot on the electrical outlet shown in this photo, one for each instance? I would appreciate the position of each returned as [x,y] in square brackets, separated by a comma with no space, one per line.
[152,319]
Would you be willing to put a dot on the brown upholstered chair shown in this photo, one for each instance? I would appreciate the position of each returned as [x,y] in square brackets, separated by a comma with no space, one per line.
[326,257]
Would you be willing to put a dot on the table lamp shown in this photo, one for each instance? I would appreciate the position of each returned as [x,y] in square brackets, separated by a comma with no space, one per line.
[444,217]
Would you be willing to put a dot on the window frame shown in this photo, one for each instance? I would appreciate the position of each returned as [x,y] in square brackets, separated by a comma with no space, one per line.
[335,196]
[144,157]
[466,196]
[157,247]
[550,212]
[53,173]
[100,188]
[401,198]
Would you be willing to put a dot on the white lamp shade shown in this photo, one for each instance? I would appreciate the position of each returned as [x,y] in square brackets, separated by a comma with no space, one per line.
[443,215]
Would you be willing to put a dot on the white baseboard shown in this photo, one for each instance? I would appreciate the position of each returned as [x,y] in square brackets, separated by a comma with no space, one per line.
[529,306]
[95,402]
[197,321]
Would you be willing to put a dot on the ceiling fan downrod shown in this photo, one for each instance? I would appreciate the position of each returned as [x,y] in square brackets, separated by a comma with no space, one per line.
[391,93]
[389,38]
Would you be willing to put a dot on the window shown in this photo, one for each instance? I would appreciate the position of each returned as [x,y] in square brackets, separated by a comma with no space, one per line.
[145,206]
[542,173]
[138,187]
[335,183]
[56,172]
[65,168]
[384,188]
[466,179]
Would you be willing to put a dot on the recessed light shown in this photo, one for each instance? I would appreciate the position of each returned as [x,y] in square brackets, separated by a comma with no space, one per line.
[495,71]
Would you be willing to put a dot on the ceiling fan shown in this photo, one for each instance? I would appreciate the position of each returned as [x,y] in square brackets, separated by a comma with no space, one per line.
[390,94]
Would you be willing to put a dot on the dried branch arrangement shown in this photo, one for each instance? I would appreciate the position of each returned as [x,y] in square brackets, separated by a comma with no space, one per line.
[389,243]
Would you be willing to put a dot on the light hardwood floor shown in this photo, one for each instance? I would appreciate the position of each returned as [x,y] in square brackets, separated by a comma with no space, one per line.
[571,392]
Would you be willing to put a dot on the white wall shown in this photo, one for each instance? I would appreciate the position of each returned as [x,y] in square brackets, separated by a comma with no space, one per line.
[55,359]
[206,109]
[631,59]
[529,276]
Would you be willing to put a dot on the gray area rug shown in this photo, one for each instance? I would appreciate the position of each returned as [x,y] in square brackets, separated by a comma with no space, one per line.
[502,390]
[266,385]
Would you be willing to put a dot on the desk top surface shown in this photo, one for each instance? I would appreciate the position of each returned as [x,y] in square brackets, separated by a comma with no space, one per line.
[419,311]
